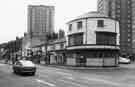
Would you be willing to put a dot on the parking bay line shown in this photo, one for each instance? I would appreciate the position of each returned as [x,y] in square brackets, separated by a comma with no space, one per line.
[76,84]
[103,81]
[63,73]
[44,82]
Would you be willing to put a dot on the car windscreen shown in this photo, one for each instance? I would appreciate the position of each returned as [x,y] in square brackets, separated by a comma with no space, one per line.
[26,63]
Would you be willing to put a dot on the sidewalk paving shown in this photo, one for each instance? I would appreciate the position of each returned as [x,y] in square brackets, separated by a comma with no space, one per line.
[77,67]
[3,61]
[121,66]
[129,66]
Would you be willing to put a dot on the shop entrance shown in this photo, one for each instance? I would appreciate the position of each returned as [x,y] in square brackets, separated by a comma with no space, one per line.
[81,60]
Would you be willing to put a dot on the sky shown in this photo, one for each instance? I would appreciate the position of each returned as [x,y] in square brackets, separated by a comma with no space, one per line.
[13,14]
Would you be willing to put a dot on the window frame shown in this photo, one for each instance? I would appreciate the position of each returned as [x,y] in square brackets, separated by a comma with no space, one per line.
[70,27]
[79,25]
[106,38]
[100,23]
[73,39]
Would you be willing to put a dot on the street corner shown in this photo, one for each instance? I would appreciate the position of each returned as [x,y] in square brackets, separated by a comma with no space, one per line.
[4,62]
[127,66]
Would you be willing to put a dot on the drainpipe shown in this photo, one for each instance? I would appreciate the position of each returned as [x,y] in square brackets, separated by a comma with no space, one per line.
[115,43]
[86,29]
[86,38]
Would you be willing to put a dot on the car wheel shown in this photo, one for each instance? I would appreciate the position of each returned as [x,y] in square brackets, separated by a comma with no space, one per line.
[15,71]
[33,73]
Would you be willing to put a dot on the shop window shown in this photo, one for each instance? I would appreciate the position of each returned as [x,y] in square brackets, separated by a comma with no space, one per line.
[75,39]
[100,54]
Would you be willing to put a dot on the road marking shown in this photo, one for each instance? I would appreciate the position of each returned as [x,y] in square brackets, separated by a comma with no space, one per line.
[2,64]
[63,73]
[69,77]
[103,81]
[44,82]
[77,84]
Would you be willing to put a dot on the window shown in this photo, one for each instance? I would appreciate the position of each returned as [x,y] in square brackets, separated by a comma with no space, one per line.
[118,15]
[79,25]
[118,6]
[128,2]
[128,25]
[129,35]
[70,27]
[100,23]
[129,45]
[128,40]
[128,30]
[129,16]
[62,45]
[103,38]
[129,21]
[118,11]
[75,39]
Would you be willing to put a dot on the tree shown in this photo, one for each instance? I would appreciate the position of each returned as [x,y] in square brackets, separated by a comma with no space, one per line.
[51,36]
[61,33]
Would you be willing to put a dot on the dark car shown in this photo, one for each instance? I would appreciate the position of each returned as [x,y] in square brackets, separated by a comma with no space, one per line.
[24,66]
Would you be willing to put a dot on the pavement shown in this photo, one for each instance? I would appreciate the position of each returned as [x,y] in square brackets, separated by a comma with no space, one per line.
[121,66]
[51,76]
[3,62]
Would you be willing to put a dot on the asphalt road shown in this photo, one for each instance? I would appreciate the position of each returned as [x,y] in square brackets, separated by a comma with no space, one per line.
[47,76]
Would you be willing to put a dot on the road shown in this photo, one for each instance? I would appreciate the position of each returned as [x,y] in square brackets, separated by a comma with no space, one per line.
[47,76]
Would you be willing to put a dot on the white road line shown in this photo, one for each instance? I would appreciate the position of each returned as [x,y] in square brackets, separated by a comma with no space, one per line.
[76,84]
[63,73]
[44,82]
[2,64]
[103,81]
[69,77]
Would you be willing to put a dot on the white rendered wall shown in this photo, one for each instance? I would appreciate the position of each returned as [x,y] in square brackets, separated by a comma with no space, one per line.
[71,61]
[90,27]
[109,26]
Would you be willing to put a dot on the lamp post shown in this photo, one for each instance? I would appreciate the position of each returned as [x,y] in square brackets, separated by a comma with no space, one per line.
[46,52]
[45,44]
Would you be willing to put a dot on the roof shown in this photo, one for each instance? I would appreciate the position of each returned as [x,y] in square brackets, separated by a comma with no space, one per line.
[93,14]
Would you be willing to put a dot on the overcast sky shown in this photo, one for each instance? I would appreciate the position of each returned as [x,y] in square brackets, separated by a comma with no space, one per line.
[13,14]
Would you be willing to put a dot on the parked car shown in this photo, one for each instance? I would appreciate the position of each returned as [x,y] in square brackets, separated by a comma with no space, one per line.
[123,60]
[24,66]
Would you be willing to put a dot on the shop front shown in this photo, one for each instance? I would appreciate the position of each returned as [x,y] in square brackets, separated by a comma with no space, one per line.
[93,57]
[57,57]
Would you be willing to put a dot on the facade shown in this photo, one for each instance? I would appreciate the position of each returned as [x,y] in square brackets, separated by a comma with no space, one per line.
[12,48]
[52,52]
[122,11]
[40,21]
[92,40]
[26,44]
[57,51]
[133,26]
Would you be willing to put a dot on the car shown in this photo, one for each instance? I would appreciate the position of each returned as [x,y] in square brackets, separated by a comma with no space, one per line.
[123,60]
[24,66]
